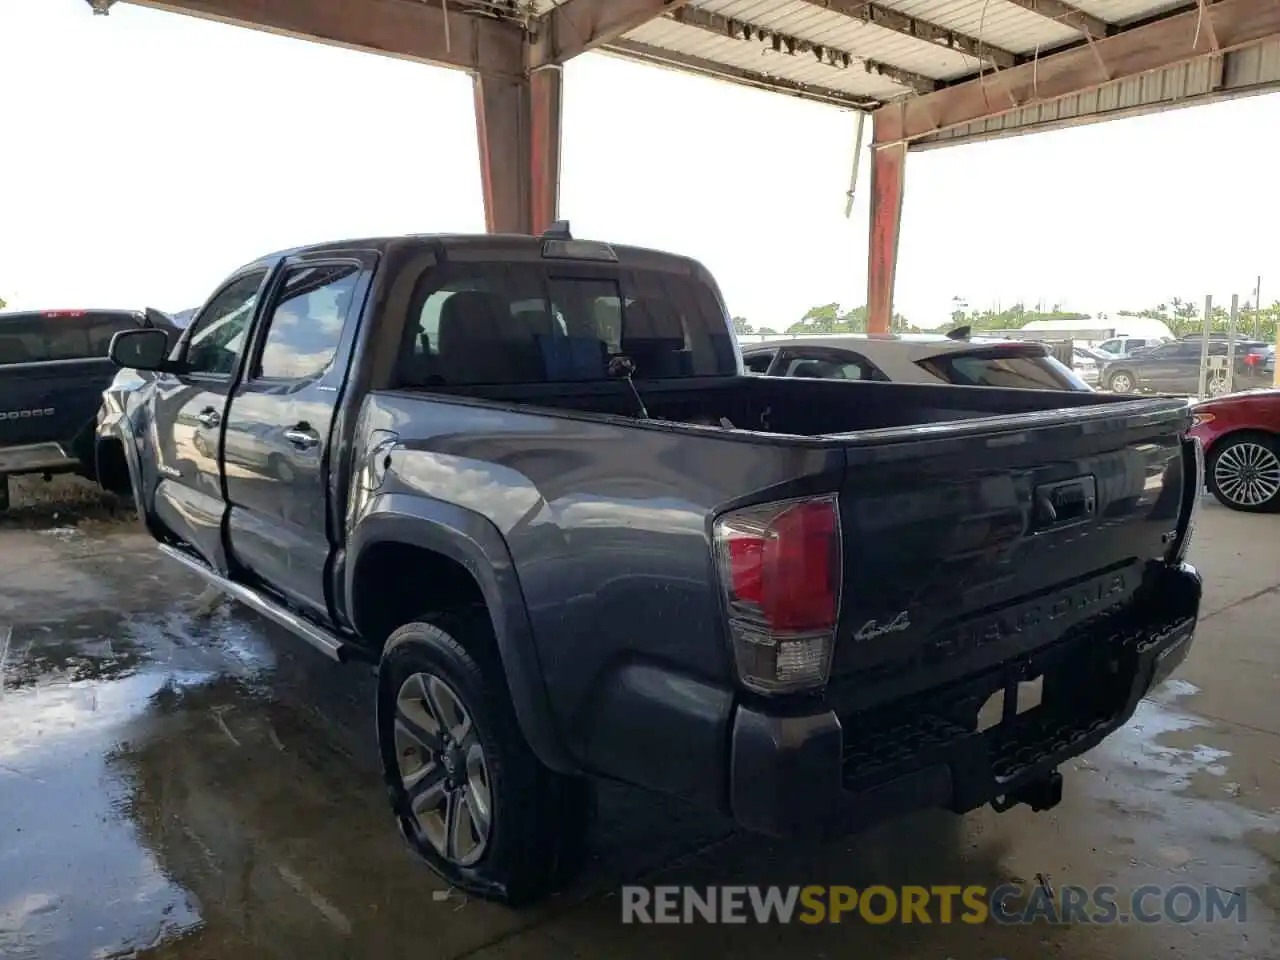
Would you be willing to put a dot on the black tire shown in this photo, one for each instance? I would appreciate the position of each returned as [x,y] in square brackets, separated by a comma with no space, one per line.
[1126,376]
[1239,449]
[540,820]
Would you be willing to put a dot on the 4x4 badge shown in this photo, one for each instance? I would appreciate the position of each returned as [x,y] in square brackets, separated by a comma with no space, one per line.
[871,629]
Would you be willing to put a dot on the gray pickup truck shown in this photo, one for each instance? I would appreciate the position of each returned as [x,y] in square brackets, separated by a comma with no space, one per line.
[528,479]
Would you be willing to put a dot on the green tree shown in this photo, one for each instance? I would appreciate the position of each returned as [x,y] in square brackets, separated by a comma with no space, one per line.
[3,303]
[740,325]
[831,318]
[767,332]
[1011,318]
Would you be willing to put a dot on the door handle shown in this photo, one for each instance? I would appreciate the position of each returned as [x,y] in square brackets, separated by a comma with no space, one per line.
[302,436]
[209,417]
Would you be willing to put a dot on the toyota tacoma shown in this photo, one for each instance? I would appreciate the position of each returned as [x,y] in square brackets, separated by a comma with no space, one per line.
[527,480]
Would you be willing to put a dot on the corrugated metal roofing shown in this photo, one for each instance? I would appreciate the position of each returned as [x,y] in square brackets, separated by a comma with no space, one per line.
[807,21]
[758,58]
[1240,71]
[995,21]
[1125,11]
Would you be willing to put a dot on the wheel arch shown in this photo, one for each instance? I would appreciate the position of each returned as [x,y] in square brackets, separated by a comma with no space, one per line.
[1118,369]
[436,553]
[1235,433]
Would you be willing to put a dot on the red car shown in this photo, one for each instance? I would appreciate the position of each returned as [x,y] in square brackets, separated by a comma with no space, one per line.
[1241,437]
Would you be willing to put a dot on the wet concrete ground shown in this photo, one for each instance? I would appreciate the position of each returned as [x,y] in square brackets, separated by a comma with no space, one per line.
[180,780]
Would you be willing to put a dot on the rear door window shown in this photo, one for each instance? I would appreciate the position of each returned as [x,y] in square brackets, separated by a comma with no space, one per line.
[524,323]
[1020,370]
[307,321]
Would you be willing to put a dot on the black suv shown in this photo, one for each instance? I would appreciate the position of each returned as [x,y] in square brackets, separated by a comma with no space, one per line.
[1174,367]
[53,369]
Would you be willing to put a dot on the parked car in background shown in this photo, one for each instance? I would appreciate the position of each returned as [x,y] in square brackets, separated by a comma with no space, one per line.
[182,318]
[1174,367]
[1088,364]
[914,358]
[1241,437]
[53,369]
[1120,347]
[527,478]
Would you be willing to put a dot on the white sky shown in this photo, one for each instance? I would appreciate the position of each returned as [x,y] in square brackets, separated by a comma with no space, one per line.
[146,155]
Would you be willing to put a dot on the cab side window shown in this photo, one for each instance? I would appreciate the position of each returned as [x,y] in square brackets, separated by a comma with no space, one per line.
[307,321]
[218,336]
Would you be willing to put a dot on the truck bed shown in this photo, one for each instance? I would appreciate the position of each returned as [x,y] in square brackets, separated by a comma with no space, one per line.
[782,405]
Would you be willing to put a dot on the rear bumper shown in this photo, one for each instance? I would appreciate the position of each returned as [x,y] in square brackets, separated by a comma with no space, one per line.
[49,457]
[811,773]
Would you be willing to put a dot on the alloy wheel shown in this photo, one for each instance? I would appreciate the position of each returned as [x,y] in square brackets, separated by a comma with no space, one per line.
[1248,474]
[1121,383]
[443,769]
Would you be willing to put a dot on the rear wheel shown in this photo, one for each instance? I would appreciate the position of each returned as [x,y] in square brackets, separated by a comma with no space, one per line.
[1120,382]
[471,798]
[1244,473]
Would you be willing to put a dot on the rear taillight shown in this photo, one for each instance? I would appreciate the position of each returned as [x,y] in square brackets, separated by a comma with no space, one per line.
[780,571]
[1252,359]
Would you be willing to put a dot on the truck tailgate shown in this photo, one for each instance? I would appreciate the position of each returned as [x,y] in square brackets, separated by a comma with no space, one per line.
[968,544]
[51,402]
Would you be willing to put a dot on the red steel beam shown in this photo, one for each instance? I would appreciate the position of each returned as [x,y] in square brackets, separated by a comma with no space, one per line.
[577,26]
[1221,26]
[888,170]
[397,28]
[546,88]
[518,129]
[661,57]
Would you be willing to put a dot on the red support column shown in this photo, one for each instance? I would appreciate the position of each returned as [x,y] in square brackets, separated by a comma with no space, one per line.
[518,128]
[545,110]
[888,167]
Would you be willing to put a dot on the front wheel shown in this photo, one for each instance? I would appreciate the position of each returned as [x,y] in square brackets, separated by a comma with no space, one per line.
[1244,473]
[471,798]
[1120,382]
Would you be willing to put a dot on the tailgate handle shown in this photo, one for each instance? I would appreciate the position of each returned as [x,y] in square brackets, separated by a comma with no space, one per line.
[1064,503]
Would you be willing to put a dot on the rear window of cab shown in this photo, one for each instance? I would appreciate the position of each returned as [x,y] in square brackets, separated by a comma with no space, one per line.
[39,337]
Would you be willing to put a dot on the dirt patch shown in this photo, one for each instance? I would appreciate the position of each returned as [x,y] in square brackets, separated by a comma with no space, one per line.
[64,500]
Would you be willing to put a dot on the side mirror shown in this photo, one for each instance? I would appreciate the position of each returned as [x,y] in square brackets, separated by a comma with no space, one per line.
[145,349]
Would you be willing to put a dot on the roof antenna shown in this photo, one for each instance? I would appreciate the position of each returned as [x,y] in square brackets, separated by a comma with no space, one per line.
[558,231]
[960,333]
[621,367]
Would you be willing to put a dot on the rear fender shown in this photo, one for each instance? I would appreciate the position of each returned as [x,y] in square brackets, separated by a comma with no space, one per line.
[474,542]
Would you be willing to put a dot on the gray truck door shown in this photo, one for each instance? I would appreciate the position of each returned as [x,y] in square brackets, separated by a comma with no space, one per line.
[277,443]
[188,414]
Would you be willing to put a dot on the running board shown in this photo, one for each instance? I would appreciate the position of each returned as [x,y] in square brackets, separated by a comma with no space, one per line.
[321,639]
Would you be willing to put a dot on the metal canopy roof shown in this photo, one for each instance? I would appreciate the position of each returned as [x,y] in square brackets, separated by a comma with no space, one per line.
[975,59]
